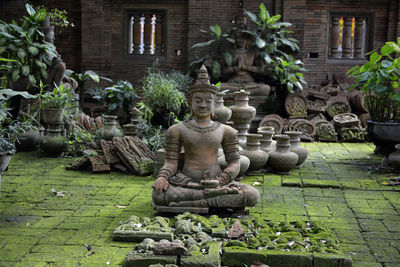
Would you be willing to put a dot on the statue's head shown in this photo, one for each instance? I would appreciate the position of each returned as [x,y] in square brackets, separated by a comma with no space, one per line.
[202,95]
[49,34]
[241,19]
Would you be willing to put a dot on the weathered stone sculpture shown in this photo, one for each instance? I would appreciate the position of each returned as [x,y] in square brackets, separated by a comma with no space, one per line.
[244,63]
[57,69]
[201,183]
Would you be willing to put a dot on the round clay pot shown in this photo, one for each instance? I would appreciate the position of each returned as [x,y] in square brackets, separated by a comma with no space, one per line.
[266,140]
[394,158]
[242,115]
[258,158]
[244,165]
[28,140]
[110,130]
[5,158]
[53,115]
[222,113]
[54,143]
[295,147]
[282,160]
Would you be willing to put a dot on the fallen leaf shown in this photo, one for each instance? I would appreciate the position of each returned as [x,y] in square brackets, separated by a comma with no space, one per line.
[384,183]
[323,157]
[120,207]
[89,248]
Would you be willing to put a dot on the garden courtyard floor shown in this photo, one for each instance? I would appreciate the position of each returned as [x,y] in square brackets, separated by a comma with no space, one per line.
[339,185]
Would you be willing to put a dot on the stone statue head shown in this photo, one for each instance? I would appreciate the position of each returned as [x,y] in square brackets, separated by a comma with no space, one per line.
[241,19]
[201,95]
[49,34]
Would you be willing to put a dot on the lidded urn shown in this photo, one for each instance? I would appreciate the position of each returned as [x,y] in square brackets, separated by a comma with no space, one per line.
[295,147]
[282,160]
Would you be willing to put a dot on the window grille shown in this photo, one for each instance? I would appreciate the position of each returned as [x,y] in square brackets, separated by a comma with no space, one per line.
[348,37]
[146,33]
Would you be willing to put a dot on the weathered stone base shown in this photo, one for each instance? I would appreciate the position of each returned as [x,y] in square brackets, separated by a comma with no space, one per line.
[239,256]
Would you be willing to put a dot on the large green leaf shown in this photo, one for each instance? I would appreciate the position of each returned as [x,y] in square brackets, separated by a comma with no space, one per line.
[33,50]
[21,53]
[253,17]
[228,58]
[260,43]
[93,75]
[31,11]
[216,70]
[263,15]
[32,79]
[203,44]
[375,57]
[8,93]
[40,15]
[217,30]
[5,34]
[15,75]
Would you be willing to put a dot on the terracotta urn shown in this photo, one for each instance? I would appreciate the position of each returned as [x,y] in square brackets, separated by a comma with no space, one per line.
[258,158]
[295,147]
[109,129]
[242,115]
[28,140]
[222,113]
[282,160]
[394,158]
[5,158]
[244,165]
[266,140]
[53,115]
[54,143]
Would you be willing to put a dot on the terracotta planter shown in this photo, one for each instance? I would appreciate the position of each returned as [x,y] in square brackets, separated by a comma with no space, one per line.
[282,160]
[295,147]
[384,135]
[242,115]
[53,115]
[258,158]
[222,113]
[394,158]
[110,130]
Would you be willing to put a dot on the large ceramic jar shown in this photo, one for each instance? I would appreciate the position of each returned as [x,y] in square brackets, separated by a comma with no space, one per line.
[222,113]
[29,140]
[295,147]
[244,165]
[242,115]
[110,130]
[394,158]
[53,115]
[54,143]
[266,140]
[282,160]
[258,158]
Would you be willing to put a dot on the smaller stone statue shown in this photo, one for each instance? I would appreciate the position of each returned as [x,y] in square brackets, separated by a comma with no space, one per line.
[201,183]
[245,63]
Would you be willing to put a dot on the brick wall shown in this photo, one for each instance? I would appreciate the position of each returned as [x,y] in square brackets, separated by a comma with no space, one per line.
[98,40]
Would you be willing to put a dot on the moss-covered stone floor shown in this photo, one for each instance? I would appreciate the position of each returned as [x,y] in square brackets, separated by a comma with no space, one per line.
[338,185]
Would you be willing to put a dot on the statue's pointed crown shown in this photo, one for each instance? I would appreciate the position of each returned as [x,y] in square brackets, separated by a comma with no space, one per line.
[202,83]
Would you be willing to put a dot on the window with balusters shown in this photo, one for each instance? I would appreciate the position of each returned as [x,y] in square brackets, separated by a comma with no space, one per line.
[349,35]
[146,32]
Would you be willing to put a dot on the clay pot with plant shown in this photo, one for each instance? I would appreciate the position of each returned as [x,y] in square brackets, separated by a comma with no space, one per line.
[378,79]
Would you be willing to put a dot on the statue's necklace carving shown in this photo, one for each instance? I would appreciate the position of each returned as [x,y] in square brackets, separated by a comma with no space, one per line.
[197,128]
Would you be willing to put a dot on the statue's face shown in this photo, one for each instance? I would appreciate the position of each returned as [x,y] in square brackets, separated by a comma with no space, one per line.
[50,37]
[202,105]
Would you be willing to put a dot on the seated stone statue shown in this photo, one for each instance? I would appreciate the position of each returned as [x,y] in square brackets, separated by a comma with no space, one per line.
[201,182]
[244,65]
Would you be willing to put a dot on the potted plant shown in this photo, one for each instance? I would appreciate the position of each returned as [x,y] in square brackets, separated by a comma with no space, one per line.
[9,129]
[53,103]
[379,80]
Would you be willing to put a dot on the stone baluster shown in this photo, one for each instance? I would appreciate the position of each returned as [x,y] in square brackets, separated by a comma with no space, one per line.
[130,43]
[347,40]
[335,37]
[359,33]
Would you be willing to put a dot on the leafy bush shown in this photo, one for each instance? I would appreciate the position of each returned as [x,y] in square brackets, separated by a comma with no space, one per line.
[153,137]
[57,99]
[163,94]
[27,54]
